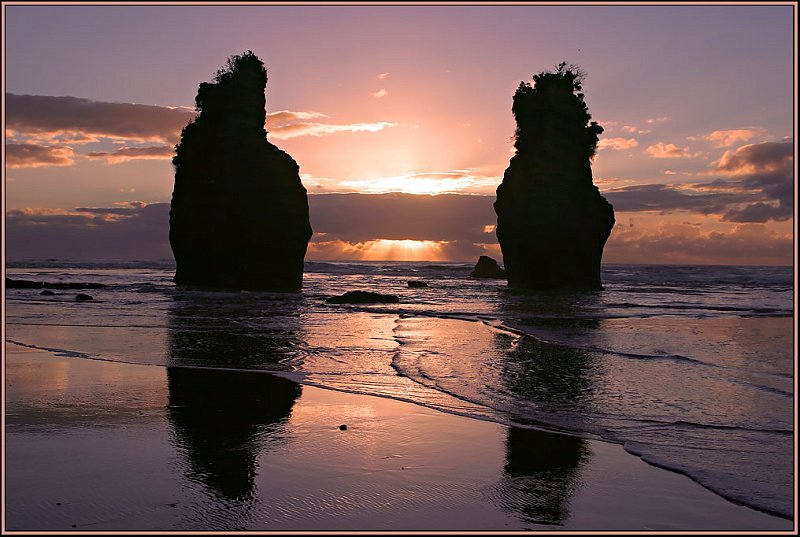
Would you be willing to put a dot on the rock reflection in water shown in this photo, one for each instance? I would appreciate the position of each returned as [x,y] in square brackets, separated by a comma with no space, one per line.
[222,410]
[541,472]
[222,419]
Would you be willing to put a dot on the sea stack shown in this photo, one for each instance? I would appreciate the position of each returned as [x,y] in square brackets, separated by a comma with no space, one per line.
[239,215]
[552,222]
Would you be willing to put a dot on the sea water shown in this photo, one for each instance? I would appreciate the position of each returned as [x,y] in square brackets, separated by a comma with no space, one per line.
[689,367]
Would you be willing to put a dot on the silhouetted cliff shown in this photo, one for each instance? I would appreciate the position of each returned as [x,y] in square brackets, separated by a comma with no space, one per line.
[552,222]
[239,214]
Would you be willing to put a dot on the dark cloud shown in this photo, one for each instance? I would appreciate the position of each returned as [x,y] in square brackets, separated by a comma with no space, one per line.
[758,158]
[136,232]
[343,223]
[35,156]
[759,212]
[760,188]
[660,197]
[92,233]
[125,211]
[54,116]
[363,217]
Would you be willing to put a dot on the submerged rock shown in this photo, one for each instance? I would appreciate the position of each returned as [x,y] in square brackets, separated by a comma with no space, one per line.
[239,214]
[83,297]
[416,284]
[486,267]
[363,297]
[47,292]
[552,222]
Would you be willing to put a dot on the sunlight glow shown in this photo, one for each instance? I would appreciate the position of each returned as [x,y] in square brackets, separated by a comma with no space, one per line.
[457,181]
[401,250]
[380,250]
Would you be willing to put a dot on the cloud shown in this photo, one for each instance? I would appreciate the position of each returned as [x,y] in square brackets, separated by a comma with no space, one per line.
[341,222]
[43,120]
[657,120]
[37,156]
[759,188]
[662,150]
[633,129]
[382,76]
[617,144]
[283,132]
[749,244]
[364,217]
[727,138]
[380,93]
[758,212]
[138,232]
[665,198]
[358,226]
[282,117]
[286,124]
[766,157]
[134,153]
[54,118]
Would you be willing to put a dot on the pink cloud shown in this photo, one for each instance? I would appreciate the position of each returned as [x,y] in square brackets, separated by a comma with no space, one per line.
[662,150]
[54,118]
[618,144]
[37,156]
[134,153]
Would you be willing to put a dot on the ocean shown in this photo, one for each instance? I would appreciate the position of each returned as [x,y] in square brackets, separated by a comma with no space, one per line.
[689,367]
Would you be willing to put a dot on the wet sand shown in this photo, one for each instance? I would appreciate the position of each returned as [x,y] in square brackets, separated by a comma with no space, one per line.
[107,446]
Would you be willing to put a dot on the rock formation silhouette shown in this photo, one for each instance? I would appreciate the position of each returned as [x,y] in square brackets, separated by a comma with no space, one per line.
[552,222]
[239,215]
[486,267]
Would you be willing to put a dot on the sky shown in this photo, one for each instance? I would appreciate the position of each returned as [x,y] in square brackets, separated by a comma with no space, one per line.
[400,117]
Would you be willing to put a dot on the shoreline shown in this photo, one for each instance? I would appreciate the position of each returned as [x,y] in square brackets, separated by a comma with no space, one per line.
[127,447]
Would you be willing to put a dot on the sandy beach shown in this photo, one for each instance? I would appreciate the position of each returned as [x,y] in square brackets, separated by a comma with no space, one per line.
[94,446]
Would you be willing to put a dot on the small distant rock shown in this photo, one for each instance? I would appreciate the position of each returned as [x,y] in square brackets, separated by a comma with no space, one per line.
[363,297]
[416,283]
[487,268]
[47,293]
[83,297]
[342,427]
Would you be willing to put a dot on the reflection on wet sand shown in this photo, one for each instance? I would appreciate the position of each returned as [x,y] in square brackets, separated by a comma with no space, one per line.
[221,420]
[220,416]
[542,469]
[541,472]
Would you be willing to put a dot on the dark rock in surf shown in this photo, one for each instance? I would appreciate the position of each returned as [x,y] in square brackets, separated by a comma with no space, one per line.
[47,292]
[363,297]
[486,267]
[552,222]
[81,297]
[239,214]
[23,284]
[416,284]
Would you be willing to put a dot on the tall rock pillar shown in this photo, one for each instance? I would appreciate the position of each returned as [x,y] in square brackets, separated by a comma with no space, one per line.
[239,215]
[552,222]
